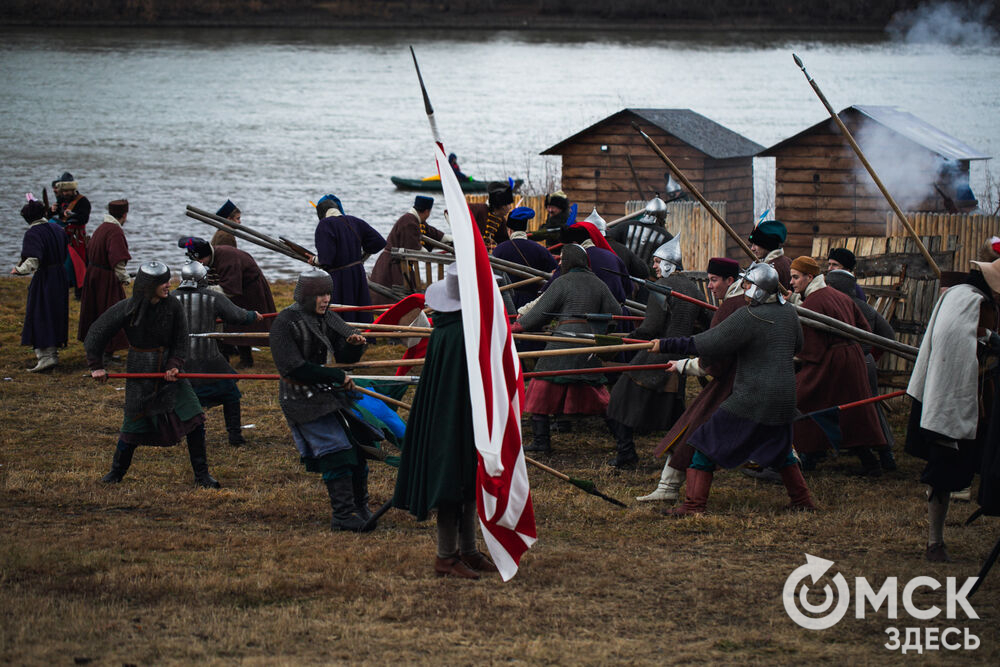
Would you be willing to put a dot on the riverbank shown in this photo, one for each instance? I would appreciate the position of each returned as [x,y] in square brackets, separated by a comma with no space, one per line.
[158,571]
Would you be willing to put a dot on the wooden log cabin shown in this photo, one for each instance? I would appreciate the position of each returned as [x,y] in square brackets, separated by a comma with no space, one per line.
[823,189]
[718,161]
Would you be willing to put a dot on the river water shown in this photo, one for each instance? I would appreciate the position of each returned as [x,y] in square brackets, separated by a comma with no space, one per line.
[274,118]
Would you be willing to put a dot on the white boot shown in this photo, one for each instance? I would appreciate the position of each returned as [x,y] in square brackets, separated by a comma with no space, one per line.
[47,358]
[669,486]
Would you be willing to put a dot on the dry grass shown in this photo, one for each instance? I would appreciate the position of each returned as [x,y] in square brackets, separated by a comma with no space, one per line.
[157,571]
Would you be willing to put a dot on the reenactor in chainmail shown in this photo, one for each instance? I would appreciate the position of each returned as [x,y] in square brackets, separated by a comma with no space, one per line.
[574,293]
[755,421]
[317,398]
[647,401]
[645,235]
[159,411]
[203,306]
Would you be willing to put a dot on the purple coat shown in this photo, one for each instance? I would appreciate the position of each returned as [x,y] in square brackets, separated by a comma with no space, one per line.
[46,317]
[342,241]
[526,253]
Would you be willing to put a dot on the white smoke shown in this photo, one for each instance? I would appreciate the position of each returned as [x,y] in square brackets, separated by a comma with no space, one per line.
[953,23]
[907,170]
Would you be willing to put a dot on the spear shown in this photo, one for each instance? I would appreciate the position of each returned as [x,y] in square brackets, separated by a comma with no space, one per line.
[871,170]
[263,376]
[512,268]
[239,233]
[249,230]
[694,191]
[582,484]
[665,291]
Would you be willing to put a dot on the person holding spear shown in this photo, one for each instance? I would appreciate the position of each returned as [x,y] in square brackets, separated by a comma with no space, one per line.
[316,399]
[158,412]
[755,421]
[202,306]
[647,401]
[724,282]
[577,290]
[343,243]
[833,372]
[241,280]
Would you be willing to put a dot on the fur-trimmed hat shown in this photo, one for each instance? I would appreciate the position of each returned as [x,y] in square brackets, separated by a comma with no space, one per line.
[500,193]
[423,203]
[558,199]
[65,182]
[844,257]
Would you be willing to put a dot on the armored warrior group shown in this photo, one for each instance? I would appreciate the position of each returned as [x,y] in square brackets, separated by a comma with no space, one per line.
[761,371]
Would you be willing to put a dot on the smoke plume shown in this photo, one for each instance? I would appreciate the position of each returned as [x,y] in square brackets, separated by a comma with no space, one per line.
[953,23]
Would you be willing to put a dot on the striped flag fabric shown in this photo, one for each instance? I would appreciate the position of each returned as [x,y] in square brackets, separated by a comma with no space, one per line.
[496,386]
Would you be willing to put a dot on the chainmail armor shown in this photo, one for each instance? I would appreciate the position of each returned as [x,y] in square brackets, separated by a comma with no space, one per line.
[763,339]
[674,319]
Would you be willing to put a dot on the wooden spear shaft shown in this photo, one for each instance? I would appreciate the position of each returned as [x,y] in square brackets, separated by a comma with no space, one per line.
[693,190]
[871,170]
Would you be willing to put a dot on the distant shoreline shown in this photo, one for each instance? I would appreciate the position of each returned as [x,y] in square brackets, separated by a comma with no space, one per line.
[322,20]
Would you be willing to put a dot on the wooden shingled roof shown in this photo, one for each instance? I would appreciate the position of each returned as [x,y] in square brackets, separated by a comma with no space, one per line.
[714,140]
[902,123]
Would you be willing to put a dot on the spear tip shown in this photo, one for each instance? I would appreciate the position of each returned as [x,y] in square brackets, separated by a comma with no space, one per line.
[798,61]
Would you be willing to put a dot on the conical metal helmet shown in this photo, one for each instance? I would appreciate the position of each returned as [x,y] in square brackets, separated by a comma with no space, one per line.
[595,219]
[655,211]
[193,275]
[763,279]
[670,255]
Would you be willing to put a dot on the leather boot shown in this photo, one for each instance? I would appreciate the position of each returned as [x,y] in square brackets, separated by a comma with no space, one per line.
[798,492]
[234,425]
[345,517]
[120,463]
[669,487]
[453,567]
[199,459]
[47,357]
[696,494]
[246,356]
[563,426]
[886,459]
[540,441]
[625,457]
[870,466]
[359,486]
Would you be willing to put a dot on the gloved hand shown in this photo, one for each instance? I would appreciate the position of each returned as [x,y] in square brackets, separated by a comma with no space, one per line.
[516,328]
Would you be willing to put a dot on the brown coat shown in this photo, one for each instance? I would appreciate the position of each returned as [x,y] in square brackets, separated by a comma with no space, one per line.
[388,271]
[833,373]
[101,287]
[236,272]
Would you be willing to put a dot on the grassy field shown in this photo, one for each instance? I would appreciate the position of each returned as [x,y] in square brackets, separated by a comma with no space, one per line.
[155,570]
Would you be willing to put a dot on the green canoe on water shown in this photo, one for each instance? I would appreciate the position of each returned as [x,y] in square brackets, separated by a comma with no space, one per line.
[435,184]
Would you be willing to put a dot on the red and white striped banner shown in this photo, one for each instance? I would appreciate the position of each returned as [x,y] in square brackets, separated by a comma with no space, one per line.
[496,387]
